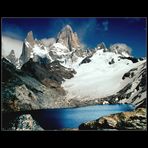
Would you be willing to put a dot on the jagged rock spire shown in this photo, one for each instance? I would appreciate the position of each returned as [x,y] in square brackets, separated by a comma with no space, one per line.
[27,48]
[68,38]
[30,38]
[12,57]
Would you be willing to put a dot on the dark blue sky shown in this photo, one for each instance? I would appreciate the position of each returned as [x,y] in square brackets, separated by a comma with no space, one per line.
[91,31]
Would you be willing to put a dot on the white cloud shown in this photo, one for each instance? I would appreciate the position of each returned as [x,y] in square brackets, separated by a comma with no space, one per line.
[85,28]
[13,31]
[9,43]
[105,25]
[121,47]
[48,42]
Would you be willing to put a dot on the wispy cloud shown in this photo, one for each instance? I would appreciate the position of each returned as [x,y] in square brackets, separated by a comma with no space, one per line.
[13,31]
[9,43]
[103,26]
[86,29]
[57,24]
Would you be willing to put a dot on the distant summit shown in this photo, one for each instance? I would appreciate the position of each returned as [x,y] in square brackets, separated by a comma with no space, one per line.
[120,48]
[66,48]
[68,38]
[12,58]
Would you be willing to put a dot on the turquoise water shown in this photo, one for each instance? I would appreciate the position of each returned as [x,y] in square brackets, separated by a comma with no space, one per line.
[72,117]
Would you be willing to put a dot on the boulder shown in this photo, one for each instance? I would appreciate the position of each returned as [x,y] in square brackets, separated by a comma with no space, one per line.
[23,122]
[134,120]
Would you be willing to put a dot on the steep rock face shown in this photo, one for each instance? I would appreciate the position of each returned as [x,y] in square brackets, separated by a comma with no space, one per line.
[135,120]
[34,49]
[51,75]
[66,49]
[30,38]
[12,57]
[68,38]
[21,91]
[27,48]
[8,70]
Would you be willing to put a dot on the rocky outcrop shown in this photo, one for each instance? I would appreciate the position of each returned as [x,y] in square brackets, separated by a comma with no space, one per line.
[135,120]
[135,91]
[68,38]
[111,62]
[54,72]
[86,60]
[102,46]
[133,59]
[121,48]
[21,91]
[23,123]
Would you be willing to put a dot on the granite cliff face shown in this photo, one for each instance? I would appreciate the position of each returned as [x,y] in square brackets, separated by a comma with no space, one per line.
[68,38]
[27,48]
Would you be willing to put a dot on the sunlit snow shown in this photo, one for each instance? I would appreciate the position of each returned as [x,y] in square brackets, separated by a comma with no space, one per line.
[98,79]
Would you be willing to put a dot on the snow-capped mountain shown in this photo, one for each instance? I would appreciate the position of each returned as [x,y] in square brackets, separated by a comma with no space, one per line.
[66,49]
[98,73]
[100,77]
[59,73]
[33,49]
[121,48]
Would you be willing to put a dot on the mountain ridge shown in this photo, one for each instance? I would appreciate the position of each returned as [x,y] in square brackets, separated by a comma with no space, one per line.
[63,74]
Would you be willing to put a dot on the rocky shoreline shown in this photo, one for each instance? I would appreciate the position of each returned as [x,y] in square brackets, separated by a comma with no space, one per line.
[134,120]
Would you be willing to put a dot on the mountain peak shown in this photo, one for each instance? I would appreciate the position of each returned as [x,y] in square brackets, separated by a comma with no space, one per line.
[121,48]
[12,52]
[101,46]
[12,57]
[30,37]
[68,38]
[67,27]
[30,33]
